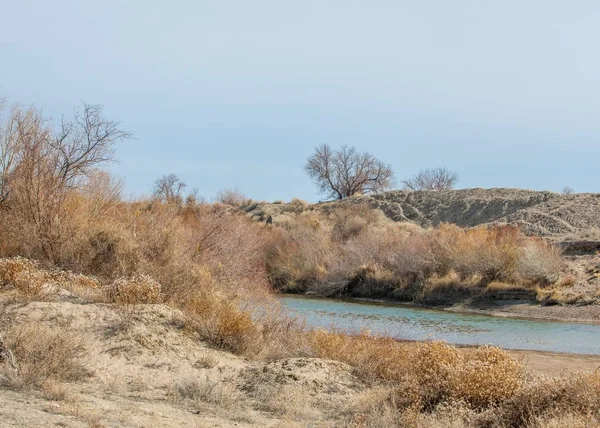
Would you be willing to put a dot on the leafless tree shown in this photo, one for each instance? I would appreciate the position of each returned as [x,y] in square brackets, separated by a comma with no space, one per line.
[85,142]
[432,179]
[346,172]
[10,150]
[168,188]
[568,190]
[40,166]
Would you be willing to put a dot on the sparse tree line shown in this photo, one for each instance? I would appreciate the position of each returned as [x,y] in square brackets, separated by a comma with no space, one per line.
[41,162]
[345,172]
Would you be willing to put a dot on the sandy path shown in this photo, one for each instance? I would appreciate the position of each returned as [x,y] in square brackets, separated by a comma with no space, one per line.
[555,363]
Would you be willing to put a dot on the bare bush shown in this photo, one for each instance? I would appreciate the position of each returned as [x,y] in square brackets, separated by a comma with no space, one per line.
[346,172]
[426,374]
[432,179]
[540,261]
[233,197]
[43,355]
[352,220]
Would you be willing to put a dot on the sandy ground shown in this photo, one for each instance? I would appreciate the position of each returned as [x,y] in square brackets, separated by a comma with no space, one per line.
[149,373]
[556,363]
[146,372]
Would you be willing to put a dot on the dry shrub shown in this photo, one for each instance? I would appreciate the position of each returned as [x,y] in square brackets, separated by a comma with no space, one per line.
[301,255]
[207,361]
[206,390]
[426,374]
[44,355]
[333,253]
[374,408]
[257,328]
[572,395]
[12,268]
[222,323]
[139,289]
[352,220]
[55,391]
[23,275]
[490,252]
[33,282]
[271,393]
[540,262]
[486,376]
[233,197]
[296,202]
[281,335]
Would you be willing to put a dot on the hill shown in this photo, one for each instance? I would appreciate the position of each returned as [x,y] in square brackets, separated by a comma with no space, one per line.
[542,213]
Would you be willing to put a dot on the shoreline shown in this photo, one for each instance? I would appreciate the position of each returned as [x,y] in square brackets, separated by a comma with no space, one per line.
[536,362]
[517,309]
[556,363]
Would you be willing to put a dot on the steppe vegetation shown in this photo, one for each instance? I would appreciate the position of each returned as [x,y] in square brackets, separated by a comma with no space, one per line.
[355,251]
[176,297]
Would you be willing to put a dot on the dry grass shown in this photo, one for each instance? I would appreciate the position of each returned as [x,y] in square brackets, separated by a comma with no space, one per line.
[258,331]
[34,282]
[207,360]
[43,356]
[214,391]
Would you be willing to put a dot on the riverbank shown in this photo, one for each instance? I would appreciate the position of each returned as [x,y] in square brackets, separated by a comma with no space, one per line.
[519,309]
[529,310]
[556,363]
[110,364]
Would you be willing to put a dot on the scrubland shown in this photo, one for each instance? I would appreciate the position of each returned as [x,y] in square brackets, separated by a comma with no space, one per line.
[149,311]
[161,312]
[355,250]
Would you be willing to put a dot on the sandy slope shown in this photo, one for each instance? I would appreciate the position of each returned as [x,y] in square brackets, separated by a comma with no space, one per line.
[137,370]
[139,360]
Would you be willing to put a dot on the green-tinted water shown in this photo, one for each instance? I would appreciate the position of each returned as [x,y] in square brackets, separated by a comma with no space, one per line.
[418,324]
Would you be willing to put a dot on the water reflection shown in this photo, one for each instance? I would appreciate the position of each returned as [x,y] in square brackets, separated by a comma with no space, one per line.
[421,324]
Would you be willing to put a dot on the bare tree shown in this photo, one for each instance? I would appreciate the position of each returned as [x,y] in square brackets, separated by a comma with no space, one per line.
[40,166]
[568,190]
[432,179]
[84,142]
[168,188]
[10,151]
[346,172]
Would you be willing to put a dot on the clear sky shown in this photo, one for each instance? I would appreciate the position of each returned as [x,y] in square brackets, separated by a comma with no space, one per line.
[238,93]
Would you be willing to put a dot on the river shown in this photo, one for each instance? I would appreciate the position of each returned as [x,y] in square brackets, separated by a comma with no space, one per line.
[409,322]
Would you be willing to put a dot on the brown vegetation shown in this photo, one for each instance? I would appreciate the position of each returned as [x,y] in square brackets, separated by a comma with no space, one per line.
[355,251]
[67,236]
[42,356]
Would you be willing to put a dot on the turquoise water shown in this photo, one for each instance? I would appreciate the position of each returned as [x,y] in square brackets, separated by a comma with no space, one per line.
[413,323]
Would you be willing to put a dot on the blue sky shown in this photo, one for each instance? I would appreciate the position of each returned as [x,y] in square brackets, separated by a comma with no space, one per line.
[236,94]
